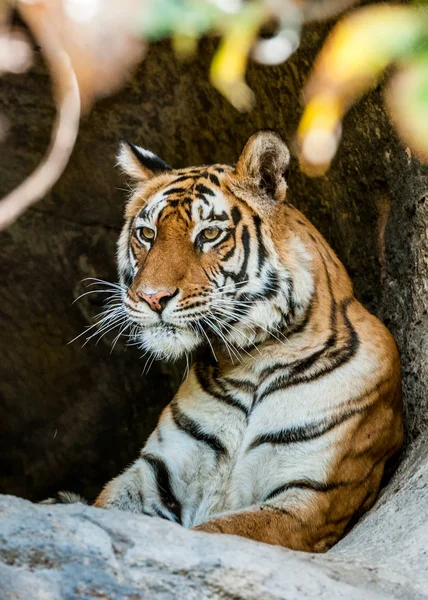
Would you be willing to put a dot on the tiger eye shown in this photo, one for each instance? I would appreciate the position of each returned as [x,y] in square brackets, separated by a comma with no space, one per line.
[211,233]
[147,233]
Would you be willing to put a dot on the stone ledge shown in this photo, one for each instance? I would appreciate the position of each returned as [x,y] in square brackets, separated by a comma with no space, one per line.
[77,551]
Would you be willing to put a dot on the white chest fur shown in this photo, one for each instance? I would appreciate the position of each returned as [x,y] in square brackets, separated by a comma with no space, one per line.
[227,450]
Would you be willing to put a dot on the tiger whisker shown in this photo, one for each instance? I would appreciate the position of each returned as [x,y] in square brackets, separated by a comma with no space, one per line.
[227,343]
[187,368]
[107,317]
[124,328]
[216,330]
[106,329]
[241,334]
[89,327]
[201,329]
[149,363]
[91,292]
[96,280]
[244,318]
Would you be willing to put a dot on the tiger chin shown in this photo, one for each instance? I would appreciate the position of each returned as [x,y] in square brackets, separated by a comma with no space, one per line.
[292,408]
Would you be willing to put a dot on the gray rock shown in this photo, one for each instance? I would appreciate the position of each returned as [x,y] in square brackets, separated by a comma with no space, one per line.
[79,552]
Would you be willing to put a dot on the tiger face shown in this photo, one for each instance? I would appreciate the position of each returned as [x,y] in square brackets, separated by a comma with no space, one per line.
[197,260]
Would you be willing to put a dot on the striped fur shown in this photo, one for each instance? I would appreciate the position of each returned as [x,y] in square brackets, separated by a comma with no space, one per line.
[292,407]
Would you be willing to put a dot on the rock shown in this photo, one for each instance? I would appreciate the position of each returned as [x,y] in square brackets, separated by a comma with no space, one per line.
[393,536]
[80,552]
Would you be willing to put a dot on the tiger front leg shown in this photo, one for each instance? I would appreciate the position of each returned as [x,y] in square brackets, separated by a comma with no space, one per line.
[125,491]
[277,526]
[144,488]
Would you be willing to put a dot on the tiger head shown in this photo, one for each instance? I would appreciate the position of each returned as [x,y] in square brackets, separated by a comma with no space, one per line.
[205,255]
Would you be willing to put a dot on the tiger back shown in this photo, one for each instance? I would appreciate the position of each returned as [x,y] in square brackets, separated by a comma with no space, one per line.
[292,406]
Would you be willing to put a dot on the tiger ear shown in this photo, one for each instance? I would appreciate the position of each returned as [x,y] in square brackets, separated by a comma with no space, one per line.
[138,163]
[264,162]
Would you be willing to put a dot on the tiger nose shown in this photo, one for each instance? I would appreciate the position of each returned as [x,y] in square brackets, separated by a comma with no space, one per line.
[157,301]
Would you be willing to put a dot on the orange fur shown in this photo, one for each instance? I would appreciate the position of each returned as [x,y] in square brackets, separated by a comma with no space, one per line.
[368,434]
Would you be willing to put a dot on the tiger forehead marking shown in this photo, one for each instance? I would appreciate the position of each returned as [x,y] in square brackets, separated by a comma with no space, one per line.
[191,198]
[283,428]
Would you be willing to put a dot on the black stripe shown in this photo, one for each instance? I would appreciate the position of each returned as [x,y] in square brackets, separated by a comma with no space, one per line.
[242,274]
[214,179]
[357,513]
[241,384]
[164,213]
[333,309]
[303,433]
[193,429]
[186,210]
[203,189]
[272,286]
[140,246]
[128,277]
[249,299]
[301,325]
[198,170]
[130,497]
[206,384]
[159,513]
[183,178]
[245,240]
[231,251]
[131,229]
[291,313]
[236,215]
[305,484]
[159,435]
[268,293]
[175,190]
[261,247]
[334,358]
[163,482]
[141,499]
[298,328]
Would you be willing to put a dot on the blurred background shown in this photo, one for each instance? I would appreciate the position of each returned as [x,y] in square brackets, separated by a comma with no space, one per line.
[73,416]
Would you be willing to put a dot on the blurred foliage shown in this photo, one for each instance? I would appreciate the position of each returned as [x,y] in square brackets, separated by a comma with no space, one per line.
[238,23]
[91,46]
[353,60]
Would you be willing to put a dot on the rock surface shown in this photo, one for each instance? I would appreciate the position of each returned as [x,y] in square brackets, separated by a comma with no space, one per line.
[79,552]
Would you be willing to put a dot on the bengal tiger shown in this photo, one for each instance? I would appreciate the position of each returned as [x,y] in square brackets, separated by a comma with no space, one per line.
[292,407]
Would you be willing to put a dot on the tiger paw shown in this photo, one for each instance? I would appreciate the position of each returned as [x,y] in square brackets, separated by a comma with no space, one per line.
[65,498]
[208,527]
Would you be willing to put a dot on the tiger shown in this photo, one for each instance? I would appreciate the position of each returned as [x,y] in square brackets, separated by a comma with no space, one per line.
[292,410]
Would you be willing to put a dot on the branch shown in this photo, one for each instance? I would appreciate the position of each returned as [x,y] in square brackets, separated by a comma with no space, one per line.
[66,124]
